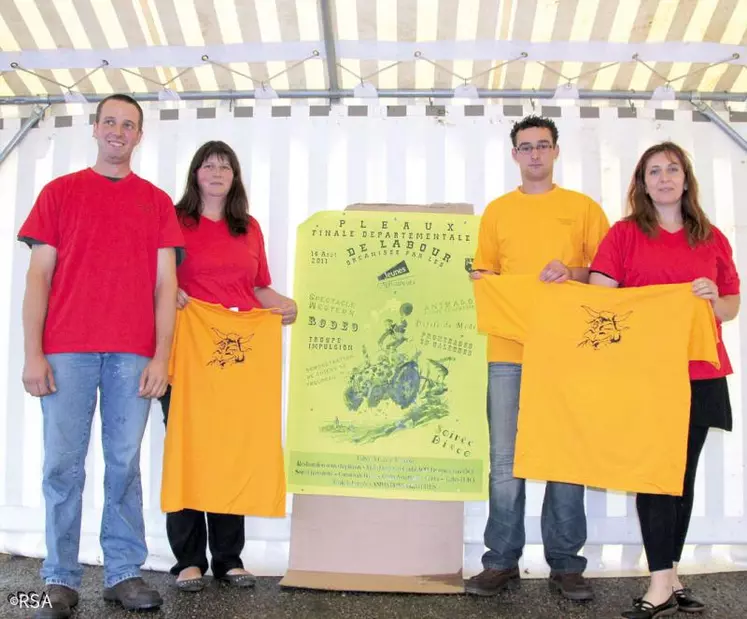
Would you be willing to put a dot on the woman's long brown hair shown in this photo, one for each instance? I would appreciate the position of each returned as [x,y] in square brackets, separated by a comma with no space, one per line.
[641,208]
[189,206]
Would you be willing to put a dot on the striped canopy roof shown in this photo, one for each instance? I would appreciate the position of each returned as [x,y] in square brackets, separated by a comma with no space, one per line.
[53,47]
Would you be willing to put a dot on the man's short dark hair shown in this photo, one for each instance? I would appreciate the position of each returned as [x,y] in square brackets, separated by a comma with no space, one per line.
[534,121]
[123,98]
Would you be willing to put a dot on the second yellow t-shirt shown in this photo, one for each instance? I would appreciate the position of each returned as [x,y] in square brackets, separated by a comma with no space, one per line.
[605,388]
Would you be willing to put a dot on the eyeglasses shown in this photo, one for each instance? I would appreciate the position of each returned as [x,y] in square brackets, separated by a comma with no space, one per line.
[542,147]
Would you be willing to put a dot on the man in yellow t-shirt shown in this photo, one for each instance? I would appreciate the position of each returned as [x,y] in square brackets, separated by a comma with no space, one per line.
[539,228]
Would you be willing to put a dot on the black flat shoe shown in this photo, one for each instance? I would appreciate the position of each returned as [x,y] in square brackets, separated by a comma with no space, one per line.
[687,603]
[242,581]
[643,609]
[191,585]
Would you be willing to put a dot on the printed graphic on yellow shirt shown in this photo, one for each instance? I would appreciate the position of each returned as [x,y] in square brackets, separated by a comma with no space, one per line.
[230,348]
[388,378]
[605,388]
[604,328]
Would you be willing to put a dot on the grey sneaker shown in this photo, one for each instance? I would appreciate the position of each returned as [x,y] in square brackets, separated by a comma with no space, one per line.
[133,594]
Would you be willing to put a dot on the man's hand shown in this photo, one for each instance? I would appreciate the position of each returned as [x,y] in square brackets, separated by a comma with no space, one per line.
[288,309]
[480,273]
[154,379]
[555,272]
[38,379]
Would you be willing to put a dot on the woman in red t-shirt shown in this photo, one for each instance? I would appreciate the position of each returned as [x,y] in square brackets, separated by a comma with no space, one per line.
[667,239]
[225,264]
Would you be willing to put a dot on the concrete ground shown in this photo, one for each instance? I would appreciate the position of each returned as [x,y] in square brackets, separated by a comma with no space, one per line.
[725,595]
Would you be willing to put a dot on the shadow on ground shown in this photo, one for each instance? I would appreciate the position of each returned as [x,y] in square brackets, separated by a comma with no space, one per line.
[725,595]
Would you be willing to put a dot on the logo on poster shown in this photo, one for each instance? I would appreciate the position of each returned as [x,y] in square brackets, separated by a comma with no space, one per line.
[398,269]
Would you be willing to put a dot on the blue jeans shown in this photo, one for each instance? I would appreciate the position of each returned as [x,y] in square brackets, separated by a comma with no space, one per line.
[68,414]
[563,516]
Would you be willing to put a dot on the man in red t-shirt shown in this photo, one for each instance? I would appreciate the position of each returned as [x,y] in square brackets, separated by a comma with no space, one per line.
[98,316]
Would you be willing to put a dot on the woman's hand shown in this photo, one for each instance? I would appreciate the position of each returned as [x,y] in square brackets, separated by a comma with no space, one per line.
[181,299]
[724,308]
[704,288]
[288,309]
[285,306]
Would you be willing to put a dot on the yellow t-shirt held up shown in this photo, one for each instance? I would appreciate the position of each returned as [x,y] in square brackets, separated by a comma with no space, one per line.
[605,389]
[223,452]
[520,233]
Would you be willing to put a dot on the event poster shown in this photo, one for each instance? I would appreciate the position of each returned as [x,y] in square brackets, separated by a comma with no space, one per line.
[388,373]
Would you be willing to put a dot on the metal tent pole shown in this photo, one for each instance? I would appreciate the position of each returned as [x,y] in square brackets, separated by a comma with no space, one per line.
[330,50]
[737,97]
[708,111]
[36,115]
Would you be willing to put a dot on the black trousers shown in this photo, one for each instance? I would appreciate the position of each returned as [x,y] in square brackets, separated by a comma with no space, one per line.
[189,537]
[664,518]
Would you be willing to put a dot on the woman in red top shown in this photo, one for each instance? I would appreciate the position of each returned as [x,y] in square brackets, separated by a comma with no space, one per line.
[667,239]
[225,264]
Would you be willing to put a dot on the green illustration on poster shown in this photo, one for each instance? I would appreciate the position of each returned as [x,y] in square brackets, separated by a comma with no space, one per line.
[395,378]
[388,372]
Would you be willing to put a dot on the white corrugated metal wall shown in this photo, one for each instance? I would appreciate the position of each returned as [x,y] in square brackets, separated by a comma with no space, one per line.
[298,160]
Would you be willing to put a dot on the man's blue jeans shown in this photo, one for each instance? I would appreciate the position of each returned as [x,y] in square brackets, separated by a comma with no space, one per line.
[68,414]
[563,516]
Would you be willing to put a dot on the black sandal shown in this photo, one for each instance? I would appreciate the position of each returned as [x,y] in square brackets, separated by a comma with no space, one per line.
[687,603]
[643,609]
